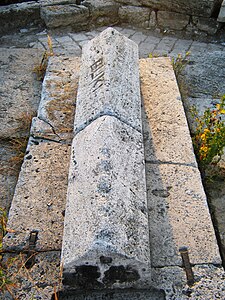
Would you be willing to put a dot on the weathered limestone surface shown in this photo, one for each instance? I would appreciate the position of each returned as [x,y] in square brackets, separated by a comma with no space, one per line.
[19,15]
[8,175]
[172,20]
[57,106]
[221,17]
[109,80]
[179,216]
[166,134]
[192,7]
[106,224]
[103,12]
[38,282]
[40,198]
[176,199]
[199,74]
[65,14]
[19,90]
[19,98]
[205,24]
[135,15]
[209,283]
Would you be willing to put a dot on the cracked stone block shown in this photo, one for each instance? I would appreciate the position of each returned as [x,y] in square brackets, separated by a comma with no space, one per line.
[135,15]
[179,216]
[109,80]
[166,133]
[172,20]
[106,234]
[57,106]
[65,15]
[40,198]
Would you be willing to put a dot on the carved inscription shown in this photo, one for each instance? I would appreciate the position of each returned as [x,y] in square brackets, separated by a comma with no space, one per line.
[97,74]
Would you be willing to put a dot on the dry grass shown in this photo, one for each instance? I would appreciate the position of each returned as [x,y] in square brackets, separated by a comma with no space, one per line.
[40,69]
[19,141]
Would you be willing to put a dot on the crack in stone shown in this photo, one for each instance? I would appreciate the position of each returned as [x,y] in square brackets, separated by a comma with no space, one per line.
[52,127]
[110,114]
[159,162]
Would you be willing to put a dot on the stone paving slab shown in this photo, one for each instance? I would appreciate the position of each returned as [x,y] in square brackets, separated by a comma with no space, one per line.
[19,90]
[40,198]
[205,74]
[166,44]
[179,216]
[148,41]
[209,283]
[166,134]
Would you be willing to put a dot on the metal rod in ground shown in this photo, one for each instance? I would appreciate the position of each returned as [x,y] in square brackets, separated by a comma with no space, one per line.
[187,265]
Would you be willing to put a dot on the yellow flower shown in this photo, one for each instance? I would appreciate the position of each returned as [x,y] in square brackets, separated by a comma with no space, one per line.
[204,149]
[203,137]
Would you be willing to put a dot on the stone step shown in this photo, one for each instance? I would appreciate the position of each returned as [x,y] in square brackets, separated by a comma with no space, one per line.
[177,206]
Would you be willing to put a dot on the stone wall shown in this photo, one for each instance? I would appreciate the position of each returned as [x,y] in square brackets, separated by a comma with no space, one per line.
[175,15]
[203,8]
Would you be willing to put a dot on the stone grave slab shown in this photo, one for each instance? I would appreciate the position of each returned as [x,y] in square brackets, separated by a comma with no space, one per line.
[109,80]
[106,223]
[106,235]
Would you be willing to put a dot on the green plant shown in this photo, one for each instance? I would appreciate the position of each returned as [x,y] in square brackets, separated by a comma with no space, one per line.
[209,135]
[180,62]
[40,69]
[153,55]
